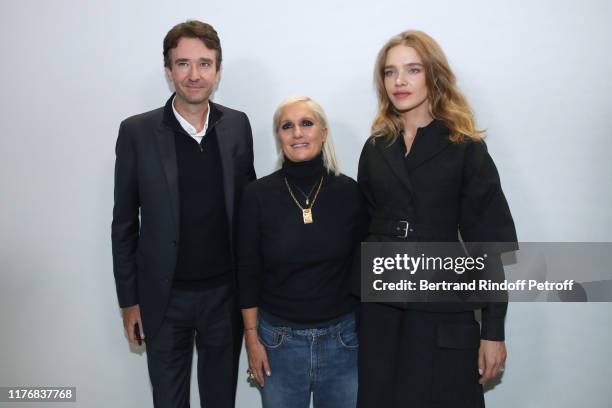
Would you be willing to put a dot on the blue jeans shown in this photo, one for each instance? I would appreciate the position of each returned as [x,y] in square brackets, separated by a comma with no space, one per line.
[320,361]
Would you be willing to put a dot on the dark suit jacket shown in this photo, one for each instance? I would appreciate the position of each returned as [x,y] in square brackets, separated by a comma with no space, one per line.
[145,226]
[444,188]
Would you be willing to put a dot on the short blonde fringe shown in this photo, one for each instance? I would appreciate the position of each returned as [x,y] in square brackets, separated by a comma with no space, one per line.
[329,152]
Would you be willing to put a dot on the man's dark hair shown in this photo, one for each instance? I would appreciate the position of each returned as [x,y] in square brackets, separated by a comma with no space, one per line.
[192,29]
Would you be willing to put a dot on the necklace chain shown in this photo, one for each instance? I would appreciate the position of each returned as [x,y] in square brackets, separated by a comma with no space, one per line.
[306,212]
[306,196]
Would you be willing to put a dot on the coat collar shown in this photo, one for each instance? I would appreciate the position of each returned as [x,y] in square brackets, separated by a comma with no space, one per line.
[428,142]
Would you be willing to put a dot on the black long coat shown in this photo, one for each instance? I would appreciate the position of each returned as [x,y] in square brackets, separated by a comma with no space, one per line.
[427,355]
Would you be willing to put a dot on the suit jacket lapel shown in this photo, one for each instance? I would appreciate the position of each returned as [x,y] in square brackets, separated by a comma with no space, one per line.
[224,140]
[167,152]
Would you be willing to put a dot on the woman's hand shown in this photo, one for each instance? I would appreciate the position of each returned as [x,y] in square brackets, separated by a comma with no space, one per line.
[258,358]
[491,359]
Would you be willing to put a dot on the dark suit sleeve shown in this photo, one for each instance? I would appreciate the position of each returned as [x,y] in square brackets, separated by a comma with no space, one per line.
[249,254]
[485,218]
[125,225]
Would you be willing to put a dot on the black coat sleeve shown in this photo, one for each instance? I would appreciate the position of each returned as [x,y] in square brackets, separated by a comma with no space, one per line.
[485,215]
[363,177]
[360,233]
[485,218]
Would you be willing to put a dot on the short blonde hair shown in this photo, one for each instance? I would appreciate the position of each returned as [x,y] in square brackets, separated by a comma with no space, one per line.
[329,153]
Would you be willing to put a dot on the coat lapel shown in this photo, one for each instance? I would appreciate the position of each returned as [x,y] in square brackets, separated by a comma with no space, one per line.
[392,153]
[429,141]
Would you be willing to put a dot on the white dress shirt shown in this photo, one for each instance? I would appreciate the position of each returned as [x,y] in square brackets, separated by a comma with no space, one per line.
[191,131]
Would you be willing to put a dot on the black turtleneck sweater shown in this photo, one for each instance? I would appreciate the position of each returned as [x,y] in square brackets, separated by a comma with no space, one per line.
[300,272]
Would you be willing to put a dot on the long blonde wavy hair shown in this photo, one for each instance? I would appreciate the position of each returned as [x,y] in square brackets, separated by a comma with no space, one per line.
[446,102]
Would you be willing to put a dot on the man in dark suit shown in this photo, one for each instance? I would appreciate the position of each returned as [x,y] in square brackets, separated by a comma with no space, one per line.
[179,174]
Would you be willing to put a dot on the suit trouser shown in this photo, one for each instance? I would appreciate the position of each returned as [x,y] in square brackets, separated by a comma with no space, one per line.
[208,317]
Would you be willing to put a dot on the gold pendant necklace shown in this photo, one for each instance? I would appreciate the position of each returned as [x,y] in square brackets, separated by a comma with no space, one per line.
[307,197]
[307,215]
[306,212]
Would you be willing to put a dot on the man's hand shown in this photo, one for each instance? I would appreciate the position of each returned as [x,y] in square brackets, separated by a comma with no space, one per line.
[491,359]
[131,317]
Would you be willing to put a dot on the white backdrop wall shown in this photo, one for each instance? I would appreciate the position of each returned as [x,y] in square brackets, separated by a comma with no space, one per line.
[537,76]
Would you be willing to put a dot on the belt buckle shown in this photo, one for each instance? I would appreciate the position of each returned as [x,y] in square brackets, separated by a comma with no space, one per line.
[403,228]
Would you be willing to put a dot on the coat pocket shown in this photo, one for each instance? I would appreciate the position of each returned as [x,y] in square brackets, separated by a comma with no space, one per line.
[455,366]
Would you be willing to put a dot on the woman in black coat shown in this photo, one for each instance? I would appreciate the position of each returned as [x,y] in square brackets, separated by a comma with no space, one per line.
[427,176]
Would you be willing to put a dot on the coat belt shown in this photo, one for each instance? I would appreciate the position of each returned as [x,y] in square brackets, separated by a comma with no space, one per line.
[405,229]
